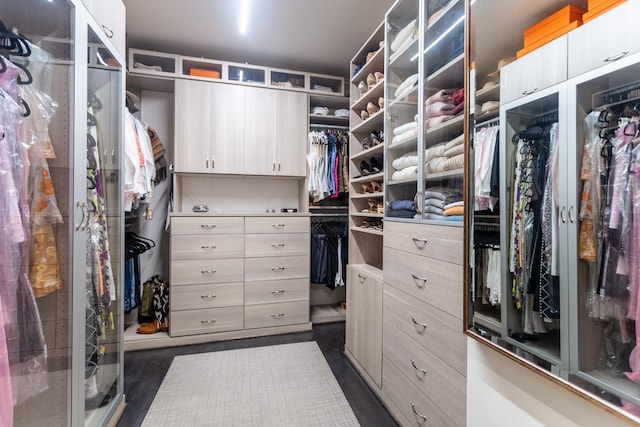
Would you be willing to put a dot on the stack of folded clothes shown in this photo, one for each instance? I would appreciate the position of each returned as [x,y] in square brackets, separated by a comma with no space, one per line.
[404,132]
[406,167]
[443,204]
[405,37]
[445,156]
[406,87]
[401,209]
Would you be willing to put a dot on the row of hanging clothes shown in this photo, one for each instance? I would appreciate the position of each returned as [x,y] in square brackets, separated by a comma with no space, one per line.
[329,236]
[328,161]
[609,236]
[486,148]
[533,241]
[29,216]
[134,246]
[487,289]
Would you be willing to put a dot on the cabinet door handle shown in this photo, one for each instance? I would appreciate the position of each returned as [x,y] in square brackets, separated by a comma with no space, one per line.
[413,408]
[208,226]
[278,292]
[207,322]
[416,367]
[362,278]
[277,225]
[278,166]
[108,31]
[422,279]
[420,243]
[206,163]
[616,56]
[80,205]
[207,271]
[209,247]
[274,166]
[277,315]
[213,162]
[113,157]
[277,245]
[415,322]
[277,268]
[563,215]
[208,297]
[570,211]
[529,91]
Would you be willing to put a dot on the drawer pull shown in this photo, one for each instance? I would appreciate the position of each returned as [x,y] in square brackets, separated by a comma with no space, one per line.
[616,56]
[277,268]
[108,31]
[209,247]
[529,91]
[422,279]
[277,225]
[207,271]
[277,315]
[278,292]
[413,408]
[362,278]
[416,368]
[420,243]
[206,297]
[207,322]
[277,245]
[208,226]
[415,322]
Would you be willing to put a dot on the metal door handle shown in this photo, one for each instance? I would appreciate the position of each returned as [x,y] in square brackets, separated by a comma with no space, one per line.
[281,291]
[529,91]
[413,408]
[415,322]
[206,322]
[362,278]
[616,56]
[206,163]
[420,243]
[278,166]
[108,31]
[277,245]
[571,209]
[422,279]
[416,368]
[274,166]
[80,205]
[209,247]
[277,268]
[208,296]
[207,271]
[113,157]
[208,226]
[563,216]
[277,315]
[277,225]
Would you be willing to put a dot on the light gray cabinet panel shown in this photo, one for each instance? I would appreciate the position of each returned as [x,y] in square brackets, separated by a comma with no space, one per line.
[291,133]
[227,128]
[260,131]
[192,151]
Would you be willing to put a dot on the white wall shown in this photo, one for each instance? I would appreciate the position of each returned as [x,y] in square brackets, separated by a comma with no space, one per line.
[501,392]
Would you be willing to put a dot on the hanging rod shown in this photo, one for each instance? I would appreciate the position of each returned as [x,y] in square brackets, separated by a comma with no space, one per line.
[318,215]
[320,126]
[487,122]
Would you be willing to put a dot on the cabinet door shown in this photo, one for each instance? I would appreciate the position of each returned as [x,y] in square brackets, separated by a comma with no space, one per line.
[192,126]
[227,128]
[260,131]
[352,311]
[291,133]
[110,14]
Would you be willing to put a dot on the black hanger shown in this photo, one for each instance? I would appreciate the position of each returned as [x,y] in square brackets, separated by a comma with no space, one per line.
[91,120]
[93,101]
[27,110]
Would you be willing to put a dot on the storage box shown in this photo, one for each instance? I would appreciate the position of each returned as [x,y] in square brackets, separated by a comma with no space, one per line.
[596,4]
[560,32]
[552,24]
[201,72]
[600,9]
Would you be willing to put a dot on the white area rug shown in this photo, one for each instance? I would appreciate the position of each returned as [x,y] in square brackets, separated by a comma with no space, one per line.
[282,385]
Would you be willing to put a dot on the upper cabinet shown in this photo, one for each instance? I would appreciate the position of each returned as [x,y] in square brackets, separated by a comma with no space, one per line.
[424,75]
[234,129]
[110,15]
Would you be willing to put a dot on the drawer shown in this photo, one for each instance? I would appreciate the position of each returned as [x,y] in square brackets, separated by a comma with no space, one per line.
[191,297]
[276,268]
[438,381]
[435,282]
[184,246]
[192,322]
[594,44]
[535,71]
[280,314]
[276,224]
[261,245]
[193,272]
[417,408]
[207,225]
[435,330]
[272,291]
[443,243]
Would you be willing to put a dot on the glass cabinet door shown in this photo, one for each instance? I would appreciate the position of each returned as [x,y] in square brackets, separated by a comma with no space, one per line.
[606,244]
[37,222]
[401,99]
[443,139]
[104,239]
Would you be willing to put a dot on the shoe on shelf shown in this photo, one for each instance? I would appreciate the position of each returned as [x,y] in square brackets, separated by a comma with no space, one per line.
[377,186]
[367,188]
[362,87]
[371,80]
[373,205]
[379,76]
[381,102]
[375,138]
[152,328]
[364,115]
[367,143]
[380,207]
[376,167]
[372,108]
[365,169]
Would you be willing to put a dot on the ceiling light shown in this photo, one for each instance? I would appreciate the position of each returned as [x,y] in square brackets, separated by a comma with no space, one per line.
[244,16]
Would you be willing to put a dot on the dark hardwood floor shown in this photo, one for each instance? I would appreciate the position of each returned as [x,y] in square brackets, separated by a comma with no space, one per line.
[145,370]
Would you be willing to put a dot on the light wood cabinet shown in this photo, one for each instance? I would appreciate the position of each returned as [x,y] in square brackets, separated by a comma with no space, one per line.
[110,14]
[260,131]
[227,129]
[291,133]
[364,319]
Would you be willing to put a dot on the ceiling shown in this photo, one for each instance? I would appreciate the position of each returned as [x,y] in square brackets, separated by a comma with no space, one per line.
[304,35]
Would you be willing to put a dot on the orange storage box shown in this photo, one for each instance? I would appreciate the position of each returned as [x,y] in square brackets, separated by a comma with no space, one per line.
[604,6]
[560,32]
[552,24]
[596,4]
[201,72]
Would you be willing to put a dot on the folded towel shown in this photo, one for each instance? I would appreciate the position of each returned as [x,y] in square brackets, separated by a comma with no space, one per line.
[454,204]
[401,205]
[407,84]
[409,159]
[405,127]
[408,135]
[436,203]
[406,173]
[456,210]
[455,141]
[433,209]
[403,35]
[454,151]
